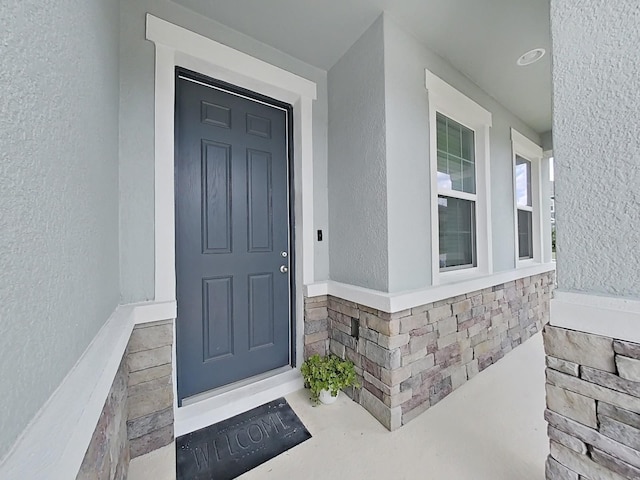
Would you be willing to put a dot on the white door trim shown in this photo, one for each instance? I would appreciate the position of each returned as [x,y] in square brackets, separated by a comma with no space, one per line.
[176,46]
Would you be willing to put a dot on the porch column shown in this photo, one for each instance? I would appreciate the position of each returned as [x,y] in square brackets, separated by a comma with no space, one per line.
[593,342]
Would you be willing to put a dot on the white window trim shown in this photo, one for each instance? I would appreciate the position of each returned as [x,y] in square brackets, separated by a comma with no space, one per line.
[525,148]
[448,101]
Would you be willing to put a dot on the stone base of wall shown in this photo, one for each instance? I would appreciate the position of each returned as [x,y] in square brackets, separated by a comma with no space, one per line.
[137,417]
[408,361]
[108,453]
[593,406]
[316,326]
[150,387]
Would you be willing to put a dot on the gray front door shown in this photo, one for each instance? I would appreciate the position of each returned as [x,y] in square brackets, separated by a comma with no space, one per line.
[232,235]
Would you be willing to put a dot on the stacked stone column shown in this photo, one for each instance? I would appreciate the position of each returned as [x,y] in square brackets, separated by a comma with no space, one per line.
[593,406]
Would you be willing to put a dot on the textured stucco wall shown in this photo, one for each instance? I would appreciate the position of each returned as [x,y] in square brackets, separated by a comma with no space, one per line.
[596,145]
[58,194]
[357,165]
[407,114]
[407,122]
[137,61]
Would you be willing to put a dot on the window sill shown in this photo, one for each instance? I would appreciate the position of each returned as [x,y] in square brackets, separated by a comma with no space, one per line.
[453,276]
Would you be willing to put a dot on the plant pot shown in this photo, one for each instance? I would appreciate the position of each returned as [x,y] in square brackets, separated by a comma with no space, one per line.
[326,398]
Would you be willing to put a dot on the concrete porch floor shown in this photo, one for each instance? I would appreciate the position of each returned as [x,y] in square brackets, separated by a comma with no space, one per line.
[491,428]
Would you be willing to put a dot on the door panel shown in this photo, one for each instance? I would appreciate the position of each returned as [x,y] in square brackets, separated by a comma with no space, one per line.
[259,214]
[216,197]
[261,310]
[217,317]
[232,223]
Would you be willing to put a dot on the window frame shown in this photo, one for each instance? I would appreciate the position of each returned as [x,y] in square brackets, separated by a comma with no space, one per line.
[459,195]
[450,102]
[528,150]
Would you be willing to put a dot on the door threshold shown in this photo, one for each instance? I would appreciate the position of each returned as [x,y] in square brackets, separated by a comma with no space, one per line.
[210,407]
[233,386]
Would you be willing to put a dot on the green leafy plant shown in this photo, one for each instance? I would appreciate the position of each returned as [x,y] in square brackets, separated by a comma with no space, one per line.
[327,373]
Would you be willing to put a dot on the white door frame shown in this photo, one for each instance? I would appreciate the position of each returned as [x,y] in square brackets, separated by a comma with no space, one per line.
[176,46]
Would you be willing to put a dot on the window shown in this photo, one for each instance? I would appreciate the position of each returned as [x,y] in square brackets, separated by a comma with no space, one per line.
[460,187]
[456,178]
[524,204]
[527,159]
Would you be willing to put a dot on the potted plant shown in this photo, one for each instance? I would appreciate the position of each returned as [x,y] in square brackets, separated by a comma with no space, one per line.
[326,376]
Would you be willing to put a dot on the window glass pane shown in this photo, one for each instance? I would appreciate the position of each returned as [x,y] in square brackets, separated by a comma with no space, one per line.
[456,162]
[468,177]
[456,219]
[444,179]
[525,234]
[454,139]
[467,145]
[523,182]
[442,132]
[455,172]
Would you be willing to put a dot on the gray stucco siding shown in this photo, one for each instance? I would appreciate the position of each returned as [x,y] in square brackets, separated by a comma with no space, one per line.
[357,165]
[596,147]
[58,194]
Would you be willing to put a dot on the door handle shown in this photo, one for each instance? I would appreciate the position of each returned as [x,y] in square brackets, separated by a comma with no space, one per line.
[284,269]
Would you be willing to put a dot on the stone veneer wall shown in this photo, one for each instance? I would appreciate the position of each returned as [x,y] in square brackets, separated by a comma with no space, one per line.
[593,406]
[316,326]
[150,387]
[137,416]
[107,456]
[407,361]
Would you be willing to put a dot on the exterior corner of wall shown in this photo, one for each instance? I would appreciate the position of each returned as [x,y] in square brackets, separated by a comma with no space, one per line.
[407,161]
[357,189]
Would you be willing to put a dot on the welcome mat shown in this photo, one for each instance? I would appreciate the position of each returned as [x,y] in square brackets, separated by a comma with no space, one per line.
[234,446]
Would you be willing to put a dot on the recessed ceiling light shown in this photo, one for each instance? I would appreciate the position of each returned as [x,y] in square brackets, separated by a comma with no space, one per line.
[531,56]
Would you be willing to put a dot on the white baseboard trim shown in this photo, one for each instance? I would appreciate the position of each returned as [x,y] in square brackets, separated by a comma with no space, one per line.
[396,302]
[233,402]
[54,443]
[607,316]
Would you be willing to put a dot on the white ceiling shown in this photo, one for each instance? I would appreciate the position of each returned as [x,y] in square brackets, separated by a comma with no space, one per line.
[481,38]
